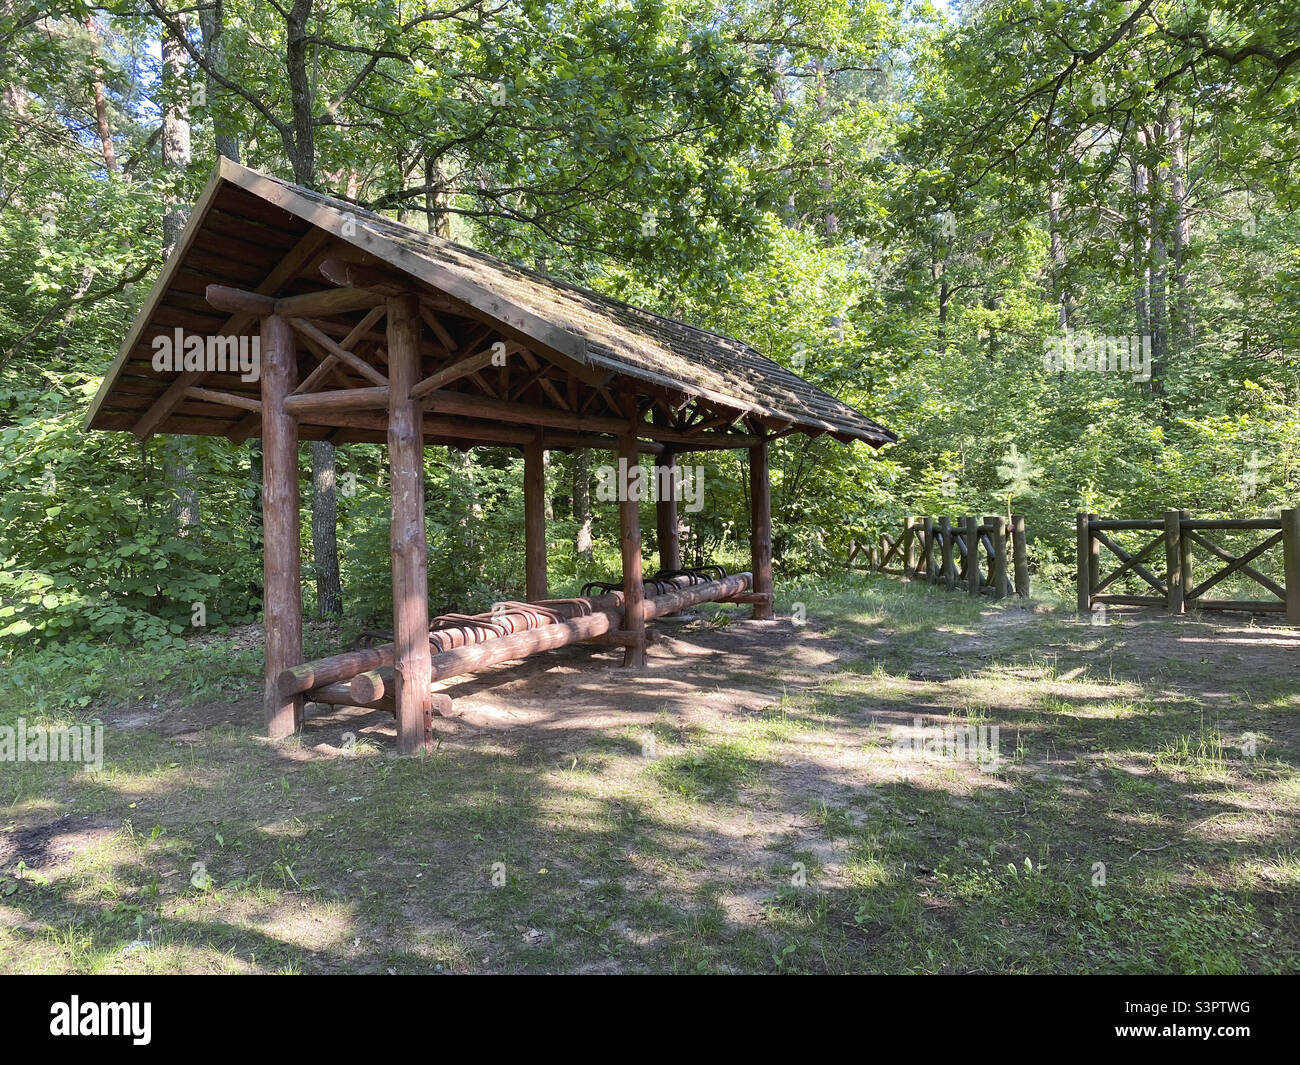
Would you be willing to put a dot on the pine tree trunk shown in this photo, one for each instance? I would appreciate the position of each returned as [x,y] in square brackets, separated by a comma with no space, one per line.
[101,100]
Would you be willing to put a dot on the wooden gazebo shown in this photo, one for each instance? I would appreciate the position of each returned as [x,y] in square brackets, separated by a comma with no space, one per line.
[373,331]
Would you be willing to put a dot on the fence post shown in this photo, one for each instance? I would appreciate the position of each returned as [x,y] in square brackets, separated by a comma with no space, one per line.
[1173,562]
[998,534]
[1094,558]
[927,546]
[909,535]
[945,541]
[973,575]
[1291,563]
[1083,539]
[1185,550]
[1020,555]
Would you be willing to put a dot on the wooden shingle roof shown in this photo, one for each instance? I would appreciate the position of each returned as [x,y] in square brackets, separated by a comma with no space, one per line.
[252,231]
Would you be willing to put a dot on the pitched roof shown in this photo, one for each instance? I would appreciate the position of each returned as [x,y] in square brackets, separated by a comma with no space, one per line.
[249,230]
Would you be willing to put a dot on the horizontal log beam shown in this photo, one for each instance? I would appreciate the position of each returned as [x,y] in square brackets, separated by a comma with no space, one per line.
[348,274]
[471,657]
[340,694]
[326,302]
[519,413]
[375,662]
[340,399]
[238,301]
[226,399]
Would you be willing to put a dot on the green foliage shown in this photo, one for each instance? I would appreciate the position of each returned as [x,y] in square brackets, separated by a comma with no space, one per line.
[901,202]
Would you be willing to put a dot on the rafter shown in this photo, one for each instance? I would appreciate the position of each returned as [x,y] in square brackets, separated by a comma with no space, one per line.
[285,271]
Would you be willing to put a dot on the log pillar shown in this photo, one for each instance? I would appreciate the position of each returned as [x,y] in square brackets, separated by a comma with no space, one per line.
[974,571]
[1173,562]
[281,580]
[410,549]
[670,554]
[998,537]
[1020,555]
[760,529]
[1291,563]
[629,522]
[1083,577]
[535,519]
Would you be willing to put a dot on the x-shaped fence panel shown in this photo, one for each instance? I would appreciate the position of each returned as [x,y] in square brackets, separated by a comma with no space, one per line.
[1184,539]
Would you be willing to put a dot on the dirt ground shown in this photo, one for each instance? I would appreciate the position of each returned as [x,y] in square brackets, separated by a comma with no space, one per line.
[747,802]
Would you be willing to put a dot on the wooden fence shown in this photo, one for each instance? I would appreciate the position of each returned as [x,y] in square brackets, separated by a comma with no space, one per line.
[943,551]
[1175,587]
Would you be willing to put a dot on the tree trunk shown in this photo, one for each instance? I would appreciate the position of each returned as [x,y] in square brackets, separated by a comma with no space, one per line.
[1141,240]
[1180,318]
[1159,212]
[548,505]
[178,454]
[1057,280]
[175,134]
[101,100]
[303,155]
[256,537]
[324,529]
[937,268]
[324,505]
[582,503]
[211,26]
[466,510]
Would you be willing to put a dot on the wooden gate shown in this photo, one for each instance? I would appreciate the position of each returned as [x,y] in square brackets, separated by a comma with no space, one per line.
[1173,585]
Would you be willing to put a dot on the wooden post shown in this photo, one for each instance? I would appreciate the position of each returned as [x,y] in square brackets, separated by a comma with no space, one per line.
[535,519]
[946,563]
[1173,562]
[1094,558]
[909,535]
[629,523]
[927,541]
[1020,555]
[1291,563]
[410,549]
[670,555]
[760,529]
[1001,585]
[1186,550]
[1083,552]
[973,574]
[281,582]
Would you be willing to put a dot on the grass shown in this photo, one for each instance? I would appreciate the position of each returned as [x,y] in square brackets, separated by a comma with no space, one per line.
[763,819]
